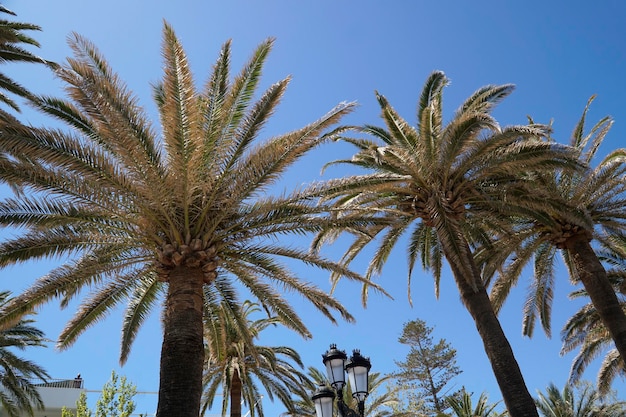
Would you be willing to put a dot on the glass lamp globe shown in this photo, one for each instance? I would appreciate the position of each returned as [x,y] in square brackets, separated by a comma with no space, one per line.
[335,360]
[358,368]
[323,399]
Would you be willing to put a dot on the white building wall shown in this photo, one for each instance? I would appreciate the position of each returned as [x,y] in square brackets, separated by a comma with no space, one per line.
[55,399]
[56,395]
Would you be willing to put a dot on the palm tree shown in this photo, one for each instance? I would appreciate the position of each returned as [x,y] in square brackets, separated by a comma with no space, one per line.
[150,218]
[566,403]
[589,205]
[18,394]
[235,364]
[12,37]
[445,186]
[462,406]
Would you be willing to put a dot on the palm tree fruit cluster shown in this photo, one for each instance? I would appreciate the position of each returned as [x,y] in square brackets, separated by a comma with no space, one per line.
[194,255]
[561,233]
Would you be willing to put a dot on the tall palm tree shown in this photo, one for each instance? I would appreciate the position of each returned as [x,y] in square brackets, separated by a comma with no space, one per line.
[567,403]
[12,39]
[444,185]
[462,406]
[18,393]
[237,365]
[589,206]
[148,217]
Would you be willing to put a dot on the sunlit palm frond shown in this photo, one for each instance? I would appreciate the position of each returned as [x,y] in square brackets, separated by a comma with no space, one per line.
[13,36]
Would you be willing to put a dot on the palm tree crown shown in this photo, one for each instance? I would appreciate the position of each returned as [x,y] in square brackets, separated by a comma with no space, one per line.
[462,406]
[236,364]
[569,403]
[588,205]
[18,393]
[445,187]
[147,216]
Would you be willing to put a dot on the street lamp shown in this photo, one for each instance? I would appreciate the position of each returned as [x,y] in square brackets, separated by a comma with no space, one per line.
[337,364]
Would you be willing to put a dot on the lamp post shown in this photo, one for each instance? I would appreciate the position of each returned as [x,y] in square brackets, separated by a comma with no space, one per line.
[337,364]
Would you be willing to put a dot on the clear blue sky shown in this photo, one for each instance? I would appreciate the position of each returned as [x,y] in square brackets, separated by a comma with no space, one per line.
[557,54]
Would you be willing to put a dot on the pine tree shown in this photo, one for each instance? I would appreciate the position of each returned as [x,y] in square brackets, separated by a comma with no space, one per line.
[427,370]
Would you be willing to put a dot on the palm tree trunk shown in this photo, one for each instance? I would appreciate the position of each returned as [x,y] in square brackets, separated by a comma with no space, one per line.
[182,352]
[235,396]
[515,394]
[596,283]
